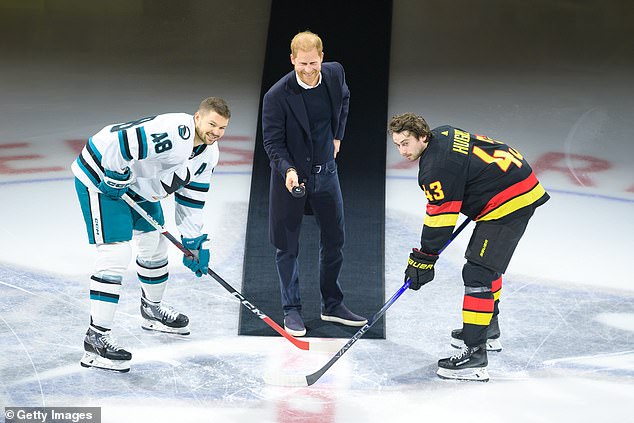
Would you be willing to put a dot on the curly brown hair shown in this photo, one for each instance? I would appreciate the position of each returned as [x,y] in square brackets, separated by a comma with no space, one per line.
[414,124]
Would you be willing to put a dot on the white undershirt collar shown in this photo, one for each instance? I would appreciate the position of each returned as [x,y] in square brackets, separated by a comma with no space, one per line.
[305,85]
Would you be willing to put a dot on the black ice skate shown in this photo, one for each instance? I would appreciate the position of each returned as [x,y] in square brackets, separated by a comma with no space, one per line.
[163,318]
[469,364]
[103,352]
[493,337]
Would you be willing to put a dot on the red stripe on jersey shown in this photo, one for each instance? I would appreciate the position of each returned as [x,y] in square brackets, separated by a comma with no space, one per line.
[448,207]
[511,192]
[483,305]
[496,285]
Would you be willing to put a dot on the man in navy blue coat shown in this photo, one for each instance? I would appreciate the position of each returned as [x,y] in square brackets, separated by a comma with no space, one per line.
[303,121]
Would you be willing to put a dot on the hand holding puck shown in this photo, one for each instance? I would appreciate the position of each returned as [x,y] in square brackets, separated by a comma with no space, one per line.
[298,191]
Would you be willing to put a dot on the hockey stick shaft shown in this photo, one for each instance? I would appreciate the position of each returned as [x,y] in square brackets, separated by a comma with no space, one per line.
[313,377]
[304,345]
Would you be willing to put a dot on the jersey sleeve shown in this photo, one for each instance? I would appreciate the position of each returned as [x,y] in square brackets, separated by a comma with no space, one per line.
[124,143]
[130,143]
[115,147]
[442,177]
[190,199]
[444,193]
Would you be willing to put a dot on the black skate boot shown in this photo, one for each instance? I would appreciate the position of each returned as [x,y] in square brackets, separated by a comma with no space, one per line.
[103,352]
[163,318]
[493,337]
[469,364]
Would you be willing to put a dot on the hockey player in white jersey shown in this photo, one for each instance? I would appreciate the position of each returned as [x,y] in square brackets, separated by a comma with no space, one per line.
[149,159]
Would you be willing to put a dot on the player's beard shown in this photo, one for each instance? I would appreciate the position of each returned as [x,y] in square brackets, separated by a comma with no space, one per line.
[309,78]
[201,136]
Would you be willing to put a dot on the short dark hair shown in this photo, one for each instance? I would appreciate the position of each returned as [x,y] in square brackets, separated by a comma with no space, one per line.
[414,124]
[217,105]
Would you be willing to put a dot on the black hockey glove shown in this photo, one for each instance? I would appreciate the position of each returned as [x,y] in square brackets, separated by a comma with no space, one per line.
[420,268]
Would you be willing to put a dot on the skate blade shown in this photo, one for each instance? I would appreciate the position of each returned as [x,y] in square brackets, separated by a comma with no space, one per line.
[99,362]
[160,327]
[493,345]
[477,374]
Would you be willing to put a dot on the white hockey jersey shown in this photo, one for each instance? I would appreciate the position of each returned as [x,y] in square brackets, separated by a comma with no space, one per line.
[159,150]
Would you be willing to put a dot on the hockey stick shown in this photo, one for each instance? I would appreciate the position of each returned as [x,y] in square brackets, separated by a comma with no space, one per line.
[299,380]
[328,346]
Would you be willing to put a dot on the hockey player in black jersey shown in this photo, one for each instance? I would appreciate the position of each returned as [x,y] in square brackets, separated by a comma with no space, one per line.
[492,184]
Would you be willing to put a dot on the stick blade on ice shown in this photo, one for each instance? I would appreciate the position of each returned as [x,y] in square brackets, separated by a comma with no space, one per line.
[280,379]
[325,346]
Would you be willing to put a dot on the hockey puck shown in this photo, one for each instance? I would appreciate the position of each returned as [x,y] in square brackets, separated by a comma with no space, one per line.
[298,191]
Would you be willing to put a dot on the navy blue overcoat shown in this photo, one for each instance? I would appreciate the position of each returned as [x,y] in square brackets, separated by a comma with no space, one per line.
[288,143]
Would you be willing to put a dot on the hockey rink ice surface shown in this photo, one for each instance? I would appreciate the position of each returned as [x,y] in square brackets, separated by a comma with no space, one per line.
[567,304]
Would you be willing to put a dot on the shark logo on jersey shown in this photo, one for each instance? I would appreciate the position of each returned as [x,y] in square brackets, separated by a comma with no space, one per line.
[184,132]
[176,183]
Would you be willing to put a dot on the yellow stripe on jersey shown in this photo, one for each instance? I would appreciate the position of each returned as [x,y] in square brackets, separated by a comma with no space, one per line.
[515,204]
[475,318]
[442,220]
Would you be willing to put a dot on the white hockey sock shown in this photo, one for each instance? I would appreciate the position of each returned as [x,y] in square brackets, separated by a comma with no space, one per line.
[104,297]
[153,277]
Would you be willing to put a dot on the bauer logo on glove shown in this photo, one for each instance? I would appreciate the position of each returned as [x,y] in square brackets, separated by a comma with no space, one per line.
[420,268]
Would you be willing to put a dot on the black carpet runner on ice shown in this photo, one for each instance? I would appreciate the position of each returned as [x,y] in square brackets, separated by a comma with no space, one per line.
[356,34]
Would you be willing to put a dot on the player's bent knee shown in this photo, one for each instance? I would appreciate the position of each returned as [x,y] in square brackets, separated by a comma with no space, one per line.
[113,259]
[475,275]
[152,247]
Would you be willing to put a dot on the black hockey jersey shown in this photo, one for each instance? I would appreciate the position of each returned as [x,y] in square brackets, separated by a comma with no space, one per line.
[477,176]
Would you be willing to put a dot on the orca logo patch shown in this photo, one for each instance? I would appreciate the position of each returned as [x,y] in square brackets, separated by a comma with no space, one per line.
[184,131]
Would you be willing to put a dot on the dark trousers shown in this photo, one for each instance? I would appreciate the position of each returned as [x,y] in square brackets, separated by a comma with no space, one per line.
[324,197]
